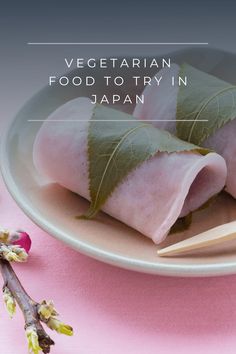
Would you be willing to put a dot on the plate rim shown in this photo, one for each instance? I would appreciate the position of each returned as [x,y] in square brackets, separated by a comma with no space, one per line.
[177,270]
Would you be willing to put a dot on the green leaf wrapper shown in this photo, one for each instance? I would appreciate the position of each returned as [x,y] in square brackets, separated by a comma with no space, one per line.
[117,144]
[204,98]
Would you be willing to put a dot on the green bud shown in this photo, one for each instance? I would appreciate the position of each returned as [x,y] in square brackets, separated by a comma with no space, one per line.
[54,324]
[33,340]
[13,253]
[46,310]
[9,301]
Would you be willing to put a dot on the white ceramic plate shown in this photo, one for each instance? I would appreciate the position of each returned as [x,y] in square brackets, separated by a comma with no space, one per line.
[54,208]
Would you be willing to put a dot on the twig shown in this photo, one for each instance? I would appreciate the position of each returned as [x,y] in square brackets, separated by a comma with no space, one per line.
[28,306]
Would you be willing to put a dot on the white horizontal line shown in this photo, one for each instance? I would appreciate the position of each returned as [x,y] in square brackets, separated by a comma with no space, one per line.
[117,43]
[117,120]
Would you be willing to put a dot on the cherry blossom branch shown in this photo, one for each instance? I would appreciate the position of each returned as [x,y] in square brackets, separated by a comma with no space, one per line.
[28,306]
[13,292]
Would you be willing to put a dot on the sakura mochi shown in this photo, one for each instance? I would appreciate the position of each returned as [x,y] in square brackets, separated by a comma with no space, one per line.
[151,197]
[160,105]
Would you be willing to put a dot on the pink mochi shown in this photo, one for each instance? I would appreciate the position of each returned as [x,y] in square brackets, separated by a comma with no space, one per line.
[151,198]
[160,103]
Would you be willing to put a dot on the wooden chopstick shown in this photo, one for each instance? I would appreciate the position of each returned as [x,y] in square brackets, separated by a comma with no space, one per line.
[219,234]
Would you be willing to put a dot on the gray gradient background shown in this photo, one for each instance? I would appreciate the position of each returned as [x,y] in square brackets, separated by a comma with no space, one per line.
[25,69]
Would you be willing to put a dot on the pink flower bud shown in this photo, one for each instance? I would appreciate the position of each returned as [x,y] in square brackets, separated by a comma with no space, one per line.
[21,239]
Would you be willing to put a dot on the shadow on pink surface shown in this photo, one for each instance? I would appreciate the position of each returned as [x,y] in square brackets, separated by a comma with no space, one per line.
[153,303]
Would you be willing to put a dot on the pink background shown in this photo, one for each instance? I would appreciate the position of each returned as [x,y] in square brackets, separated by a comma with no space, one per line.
[113,311]
[117,311]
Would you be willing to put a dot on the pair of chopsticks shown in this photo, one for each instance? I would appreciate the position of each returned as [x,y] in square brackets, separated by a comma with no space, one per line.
[219,234]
